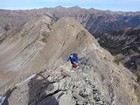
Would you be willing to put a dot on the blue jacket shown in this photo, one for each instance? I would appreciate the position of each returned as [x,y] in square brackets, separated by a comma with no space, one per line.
[72,59]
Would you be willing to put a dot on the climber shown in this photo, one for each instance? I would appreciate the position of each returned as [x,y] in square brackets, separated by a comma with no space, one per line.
[73,58]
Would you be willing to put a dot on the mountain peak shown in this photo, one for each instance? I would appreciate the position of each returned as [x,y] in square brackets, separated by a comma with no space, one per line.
[37,52]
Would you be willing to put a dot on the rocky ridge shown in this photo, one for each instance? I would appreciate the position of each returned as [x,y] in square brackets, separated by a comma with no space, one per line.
[47,79]
[95,21]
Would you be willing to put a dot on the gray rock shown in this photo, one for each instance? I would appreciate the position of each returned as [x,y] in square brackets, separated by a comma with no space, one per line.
[97,79]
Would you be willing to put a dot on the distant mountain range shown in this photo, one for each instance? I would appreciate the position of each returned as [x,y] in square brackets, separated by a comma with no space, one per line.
[92,19]
[125,44]
[107,26]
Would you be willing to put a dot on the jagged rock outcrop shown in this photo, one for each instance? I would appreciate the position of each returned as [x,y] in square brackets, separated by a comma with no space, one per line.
[43,77]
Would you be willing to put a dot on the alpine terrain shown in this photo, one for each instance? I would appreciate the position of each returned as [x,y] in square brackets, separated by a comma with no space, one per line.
[95,21]
[125,44]
[34,70]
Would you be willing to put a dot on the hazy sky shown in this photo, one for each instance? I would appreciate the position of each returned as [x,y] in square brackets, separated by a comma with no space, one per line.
[115,5]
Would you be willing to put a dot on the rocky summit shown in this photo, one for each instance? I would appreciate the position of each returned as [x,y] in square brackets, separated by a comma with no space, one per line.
[115,27]
[34,70]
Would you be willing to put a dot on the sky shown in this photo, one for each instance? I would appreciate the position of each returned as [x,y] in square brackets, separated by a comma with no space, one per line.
[114,5]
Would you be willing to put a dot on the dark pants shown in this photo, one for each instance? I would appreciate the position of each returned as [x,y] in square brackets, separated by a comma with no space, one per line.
[74,65]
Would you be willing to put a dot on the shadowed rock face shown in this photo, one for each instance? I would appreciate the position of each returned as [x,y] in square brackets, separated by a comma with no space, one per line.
[36,55]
